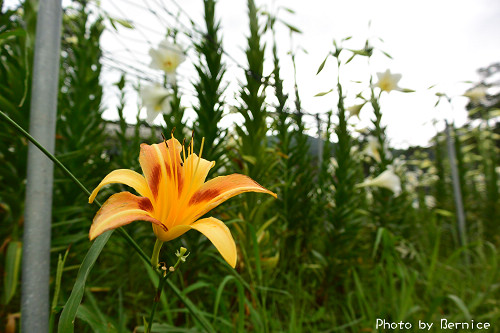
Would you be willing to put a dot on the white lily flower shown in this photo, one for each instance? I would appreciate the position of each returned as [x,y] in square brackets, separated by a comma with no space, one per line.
[157,100]
[388,81]
[411,181]
[372,148]
[476,95]
[167,57]
[387,179]
[430,201]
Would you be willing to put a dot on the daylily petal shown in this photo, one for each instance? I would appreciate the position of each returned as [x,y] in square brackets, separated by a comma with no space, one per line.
[215,192]
[119,210]
[218,233]
[127,177]
[174,194]
[167,235]
[159,164]
[215,230]
[196,170]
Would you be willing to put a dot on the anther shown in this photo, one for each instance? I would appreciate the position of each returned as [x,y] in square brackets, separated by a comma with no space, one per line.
[164,140]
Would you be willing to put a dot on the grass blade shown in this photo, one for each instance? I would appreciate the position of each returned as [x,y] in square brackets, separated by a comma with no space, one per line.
[68,314]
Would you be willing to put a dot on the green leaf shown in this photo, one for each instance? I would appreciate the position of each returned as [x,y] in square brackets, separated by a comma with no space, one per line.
[378,238]
[90,316]
[267,224]
[197,285]
[112,21]
[7,105]
[323,93]
[191,307]
[125,23]
[444,212]
[250,159]
[387,54]
[288,10]
[60,267]
[350,59]
[241,302]
[291,27]
[461,305]
[495,113]
[474,111]
[12,268]
[17,32]
[322,64]
[405,90]
[68,314]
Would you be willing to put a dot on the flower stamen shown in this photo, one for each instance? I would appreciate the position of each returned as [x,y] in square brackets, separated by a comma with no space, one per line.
[199,157]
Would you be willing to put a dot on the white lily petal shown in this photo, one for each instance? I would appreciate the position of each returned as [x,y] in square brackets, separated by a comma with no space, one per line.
[387,179]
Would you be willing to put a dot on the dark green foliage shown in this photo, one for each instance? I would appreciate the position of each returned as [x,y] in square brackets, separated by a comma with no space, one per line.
[323,256]
[296,175]
[16,52]
[441,190]
[79,124]
[80,131]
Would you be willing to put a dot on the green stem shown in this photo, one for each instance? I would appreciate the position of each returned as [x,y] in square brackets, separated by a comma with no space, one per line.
[49,155]
[61,166]
[156,253]
[161,283]
[379,130]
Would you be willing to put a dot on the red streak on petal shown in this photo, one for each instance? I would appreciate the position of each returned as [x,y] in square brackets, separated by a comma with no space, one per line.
[180,181]
[145,204]
[154,182]
[206,195]
[167,167]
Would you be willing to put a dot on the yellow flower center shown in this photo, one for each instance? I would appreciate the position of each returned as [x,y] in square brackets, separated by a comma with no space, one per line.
[168,64]
[186,176]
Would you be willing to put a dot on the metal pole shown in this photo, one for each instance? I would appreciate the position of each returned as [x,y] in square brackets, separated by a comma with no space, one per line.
[320,142]
[38,209]
[457,194]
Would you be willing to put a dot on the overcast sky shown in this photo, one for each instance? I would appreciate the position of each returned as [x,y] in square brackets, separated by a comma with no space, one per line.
[432,42]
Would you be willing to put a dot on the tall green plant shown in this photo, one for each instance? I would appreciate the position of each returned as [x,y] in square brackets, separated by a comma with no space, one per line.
[252,133]
[80,131]
[210,88]
[489,162]
[344,218]
[17,31]
[294,173]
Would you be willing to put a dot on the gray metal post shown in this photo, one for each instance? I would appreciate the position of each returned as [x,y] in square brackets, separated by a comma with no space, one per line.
[457,194]
[320,142]
[38,209]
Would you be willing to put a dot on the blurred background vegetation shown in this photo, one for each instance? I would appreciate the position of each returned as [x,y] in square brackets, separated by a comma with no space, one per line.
[325,256]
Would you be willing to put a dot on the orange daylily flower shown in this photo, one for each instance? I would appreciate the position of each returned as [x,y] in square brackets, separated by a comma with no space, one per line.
[173,196]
